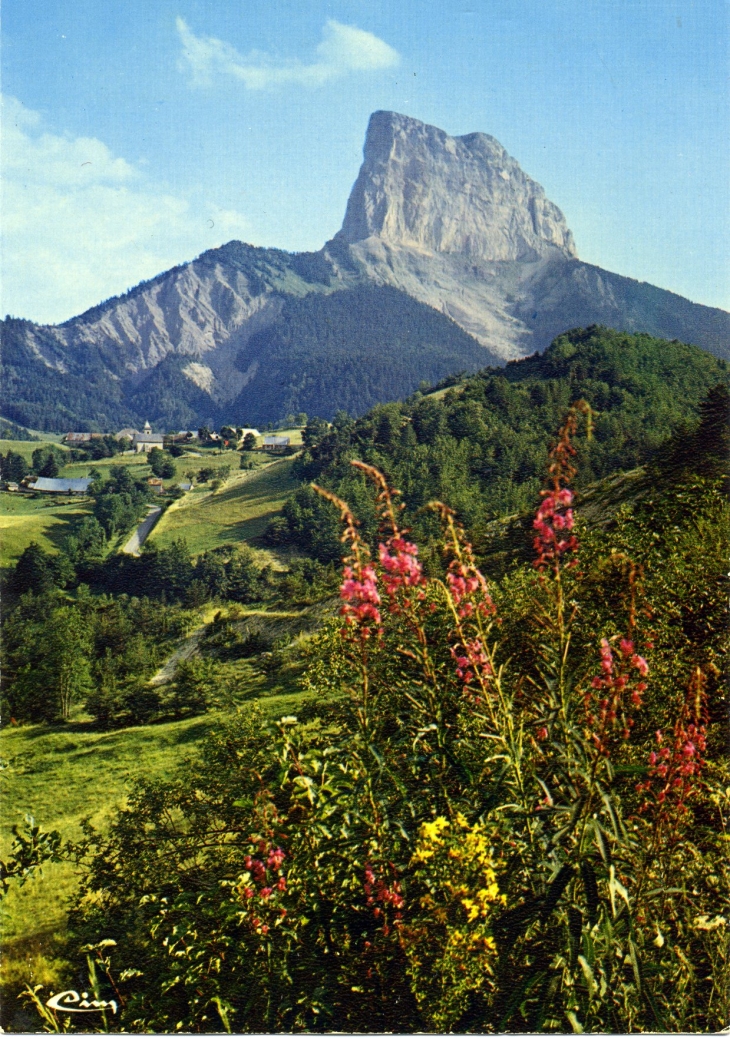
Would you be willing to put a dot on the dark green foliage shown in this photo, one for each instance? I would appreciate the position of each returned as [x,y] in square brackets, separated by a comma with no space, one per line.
[38,571]
[308,581]
[43,397]
[48,646]
[47,460]
[12,431]
[13,467]
[86,543]
[161,464]
[482,446]
[99,652]
[314,430]
[169,573]
[100,447]
[350,350]
[49,467]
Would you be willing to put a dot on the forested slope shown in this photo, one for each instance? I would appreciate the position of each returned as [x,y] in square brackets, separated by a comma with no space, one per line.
[482,444]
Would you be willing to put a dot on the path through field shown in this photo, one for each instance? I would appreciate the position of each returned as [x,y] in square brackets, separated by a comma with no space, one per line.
[183,652]
[139,537]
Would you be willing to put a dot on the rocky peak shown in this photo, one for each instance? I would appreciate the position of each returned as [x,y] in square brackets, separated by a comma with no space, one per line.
[420,188]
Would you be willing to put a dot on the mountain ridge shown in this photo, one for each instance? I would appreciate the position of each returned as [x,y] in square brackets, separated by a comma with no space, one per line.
[452,223]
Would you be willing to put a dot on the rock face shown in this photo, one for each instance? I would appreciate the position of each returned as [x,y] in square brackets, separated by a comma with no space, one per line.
[452,222]
[422,189]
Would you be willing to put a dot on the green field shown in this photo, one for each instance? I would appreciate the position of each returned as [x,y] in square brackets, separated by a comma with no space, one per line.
[62,776]
[188,463]
[239,511]
[27,447]
[45,520]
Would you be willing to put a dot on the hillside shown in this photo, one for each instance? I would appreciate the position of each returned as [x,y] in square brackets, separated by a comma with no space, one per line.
[481,445]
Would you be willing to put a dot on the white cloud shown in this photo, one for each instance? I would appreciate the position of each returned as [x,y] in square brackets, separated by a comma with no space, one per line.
[342,49]
[81,224]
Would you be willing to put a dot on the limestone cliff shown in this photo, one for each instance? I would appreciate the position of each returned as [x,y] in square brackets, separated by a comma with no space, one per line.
[418,187]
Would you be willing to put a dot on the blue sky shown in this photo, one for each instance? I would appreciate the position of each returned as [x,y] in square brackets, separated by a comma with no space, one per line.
[138,133]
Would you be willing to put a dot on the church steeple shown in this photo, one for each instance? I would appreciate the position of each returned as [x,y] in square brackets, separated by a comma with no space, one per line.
[147,427]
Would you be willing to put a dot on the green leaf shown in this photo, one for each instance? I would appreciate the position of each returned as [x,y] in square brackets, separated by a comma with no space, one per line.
[556,889]
[574,1022]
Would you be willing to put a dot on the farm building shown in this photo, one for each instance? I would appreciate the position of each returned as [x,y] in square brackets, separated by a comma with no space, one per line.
[60,485]
[146,441]
[155,484]
[126,434]
[276,443]
[77,438]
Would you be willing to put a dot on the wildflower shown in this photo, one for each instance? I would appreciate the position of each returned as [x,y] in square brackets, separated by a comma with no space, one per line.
[402,569]
[675,768]
[620,691]
[468,587]
[360,597]
[275,858]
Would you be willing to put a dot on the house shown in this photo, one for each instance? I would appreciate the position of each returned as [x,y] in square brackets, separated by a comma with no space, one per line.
[126,434]
[155,484]
[273,443]
[77,438]
[244,433]
[60,485]
[146,441]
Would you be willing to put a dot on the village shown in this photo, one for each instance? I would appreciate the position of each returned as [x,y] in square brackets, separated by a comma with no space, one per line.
[130,441]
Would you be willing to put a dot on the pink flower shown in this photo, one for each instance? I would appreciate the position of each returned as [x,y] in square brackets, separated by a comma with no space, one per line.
[361,598]
[275,858]
[398,558]
[640,664]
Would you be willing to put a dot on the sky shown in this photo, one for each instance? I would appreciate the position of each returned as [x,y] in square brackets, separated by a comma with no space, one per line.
[138,133]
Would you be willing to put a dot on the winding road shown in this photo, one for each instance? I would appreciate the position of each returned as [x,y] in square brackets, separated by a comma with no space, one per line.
[140,535]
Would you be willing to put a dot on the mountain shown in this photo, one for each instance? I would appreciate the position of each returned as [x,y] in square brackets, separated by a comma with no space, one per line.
[449,258]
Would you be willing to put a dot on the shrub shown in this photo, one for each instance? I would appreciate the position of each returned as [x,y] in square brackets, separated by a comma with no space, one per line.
[467,840]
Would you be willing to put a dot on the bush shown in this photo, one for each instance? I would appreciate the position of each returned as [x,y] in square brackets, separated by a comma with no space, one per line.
[469,838]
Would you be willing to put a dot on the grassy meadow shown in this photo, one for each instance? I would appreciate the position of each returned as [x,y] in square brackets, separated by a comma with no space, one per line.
[64,775]
[46,520]
[238,511]
[27,447]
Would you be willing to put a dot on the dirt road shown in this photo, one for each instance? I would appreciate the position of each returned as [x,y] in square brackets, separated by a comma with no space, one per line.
[137,539]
